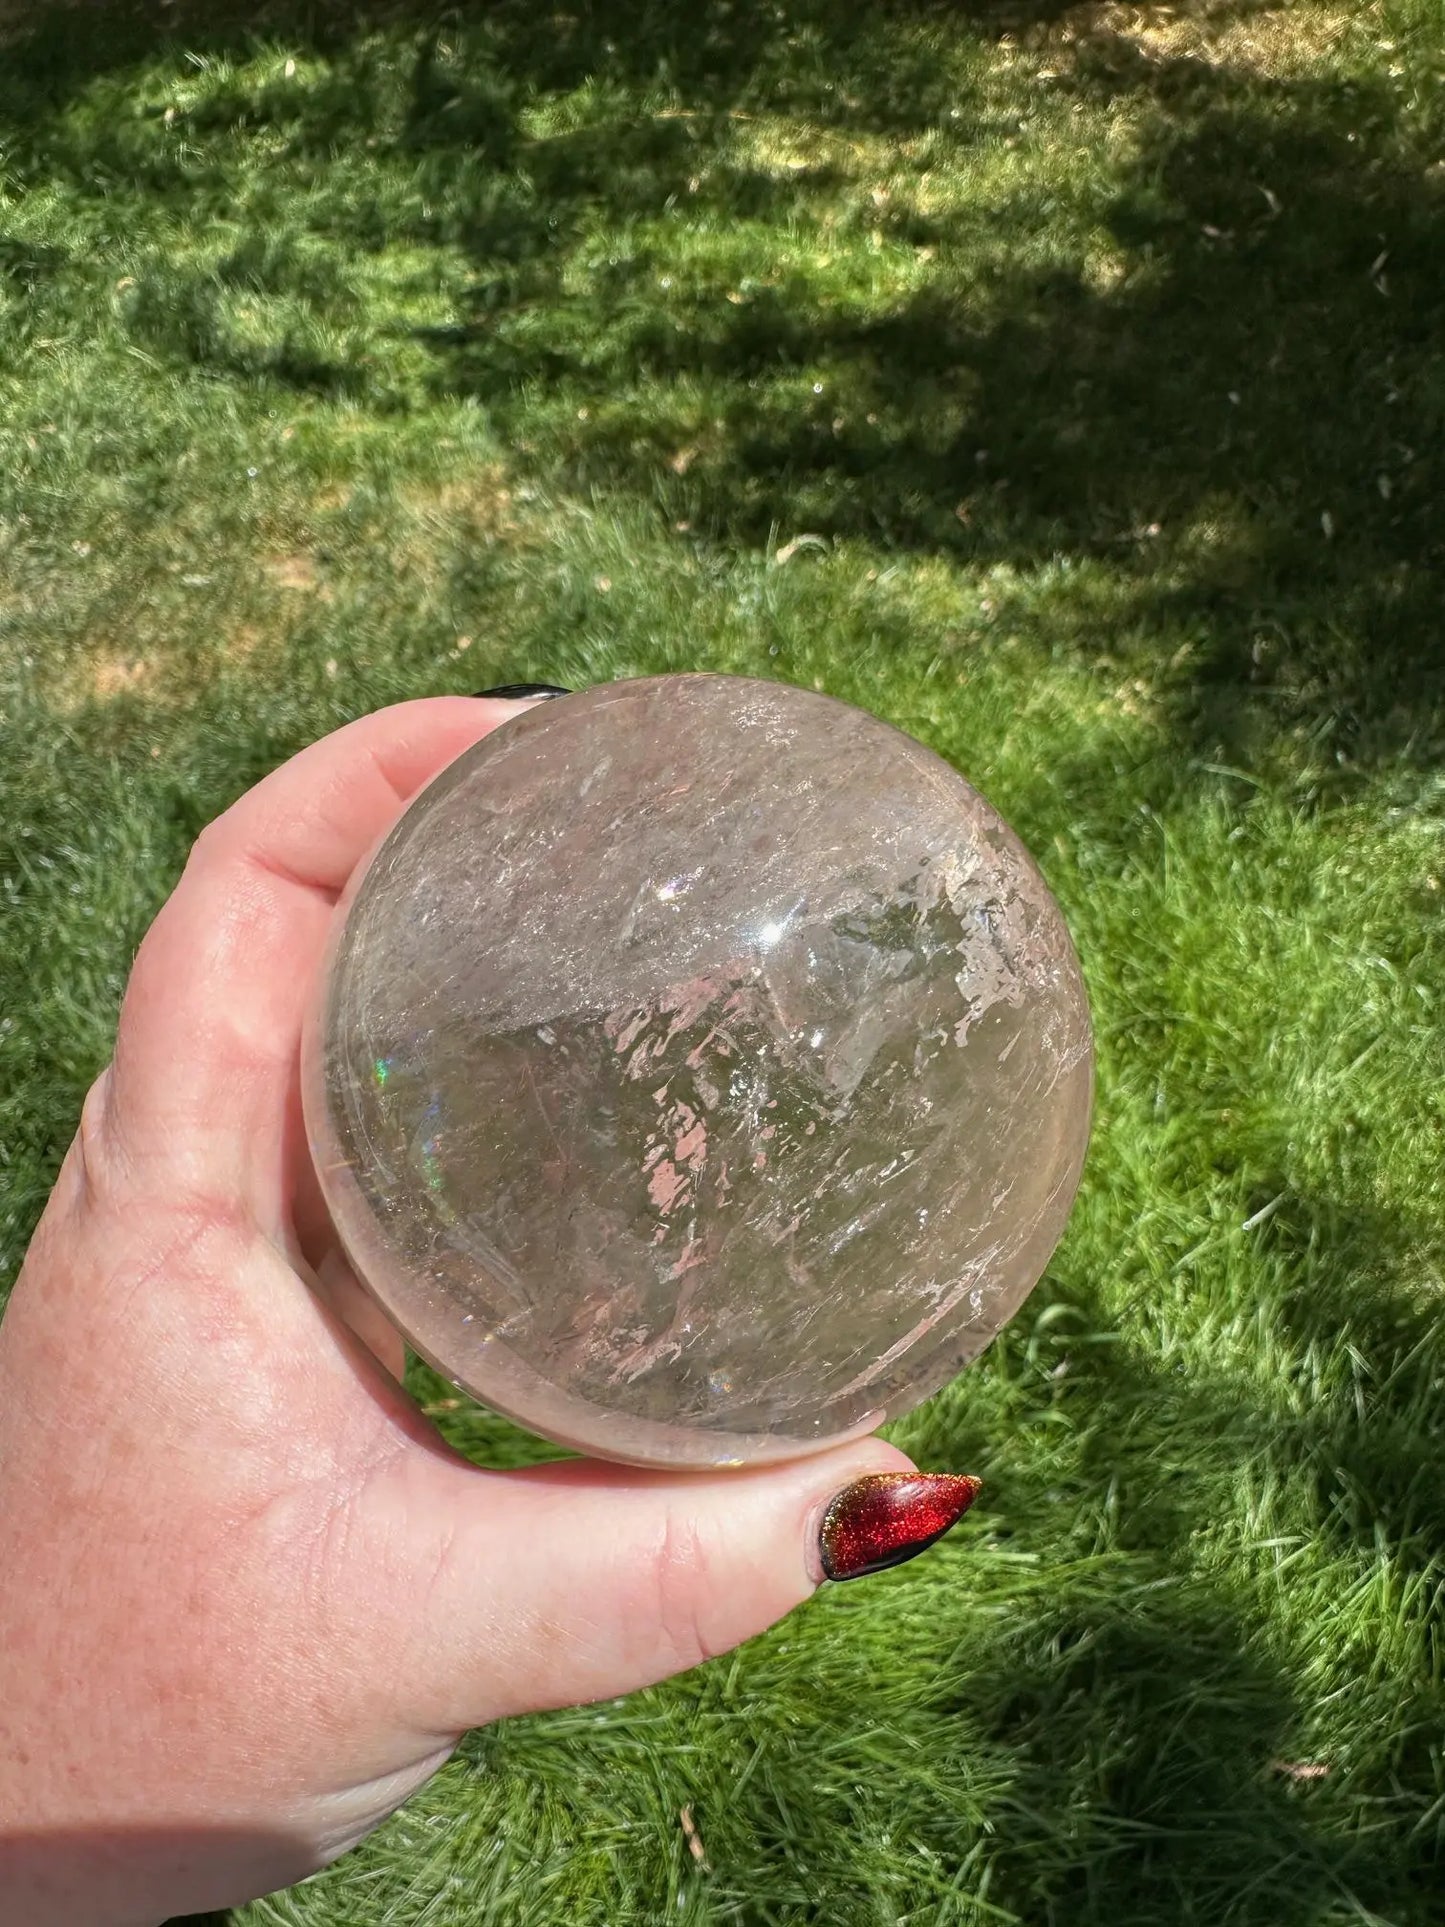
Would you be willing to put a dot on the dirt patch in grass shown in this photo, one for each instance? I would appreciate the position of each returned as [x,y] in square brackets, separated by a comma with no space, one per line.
[177,659]
[103,671]
[297,572]
[246,640]
[110,675]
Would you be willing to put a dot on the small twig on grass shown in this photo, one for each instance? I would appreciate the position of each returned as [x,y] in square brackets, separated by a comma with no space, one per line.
[693,1838]
[790,549]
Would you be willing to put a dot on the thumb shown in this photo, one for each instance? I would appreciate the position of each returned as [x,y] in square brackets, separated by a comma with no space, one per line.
[582,1581]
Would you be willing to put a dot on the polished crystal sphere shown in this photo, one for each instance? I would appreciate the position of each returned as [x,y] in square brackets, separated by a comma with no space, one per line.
[701,1071]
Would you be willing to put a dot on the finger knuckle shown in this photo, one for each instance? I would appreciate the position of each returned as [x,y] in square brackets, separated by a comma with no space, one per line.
[680,1575]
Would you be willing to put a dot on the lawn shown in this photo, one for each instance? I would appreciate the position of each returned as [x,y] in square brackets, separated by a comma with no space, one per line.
[1064,384]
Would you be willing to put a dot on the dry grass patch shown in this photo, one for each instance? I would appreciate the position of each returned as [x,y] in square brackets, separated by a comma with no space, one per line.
[481,503]
[104,670]
[1272,41]
[246,640]
[108,675]
[176,659]
[782,145]
[297,572]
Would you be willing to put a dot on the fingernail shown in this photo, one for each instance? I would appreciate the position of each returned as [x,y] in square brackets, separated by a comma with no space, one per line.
[516,692]
[887,1517]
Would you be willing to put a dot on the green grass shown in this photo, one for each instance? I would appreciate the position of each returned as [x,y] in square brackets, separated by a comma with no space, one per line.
[349,353]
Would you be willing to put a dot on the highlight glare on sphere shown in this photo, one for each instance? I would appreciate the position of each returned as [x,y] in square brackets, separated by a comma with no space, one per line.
[701,1072]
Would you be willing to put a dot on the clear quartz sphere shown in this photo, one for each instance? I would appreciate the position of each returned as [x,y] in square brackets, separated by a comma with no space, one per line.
[701,1071]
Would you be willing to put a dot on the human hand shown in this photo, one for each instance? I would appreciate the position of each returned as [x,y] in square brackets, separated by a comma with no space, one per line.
[250,1598]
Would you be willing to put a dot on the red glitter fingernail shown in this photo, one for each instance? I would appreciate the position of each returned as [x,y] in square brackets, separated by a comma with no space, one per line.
[887,1517]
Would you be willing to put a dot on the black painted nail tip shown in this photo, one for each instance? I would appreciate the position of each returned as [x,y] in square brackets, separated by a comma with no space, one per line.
[516,692]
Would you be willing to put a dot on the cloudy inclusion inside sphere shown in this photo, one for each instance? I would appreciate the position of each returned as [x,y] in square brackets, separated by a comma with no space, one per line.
[701,1072]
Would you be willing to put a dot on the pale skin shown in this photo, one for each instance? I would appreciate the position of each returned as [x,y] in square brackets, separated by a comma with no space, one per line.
[249,1599]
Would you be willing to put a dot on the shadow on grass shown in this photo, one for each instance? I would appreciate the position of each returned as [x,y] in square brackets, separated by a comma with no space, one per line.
[1244,426]
[1366,1290]
[1155,1723]
[1239,413]
[1152,1722]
